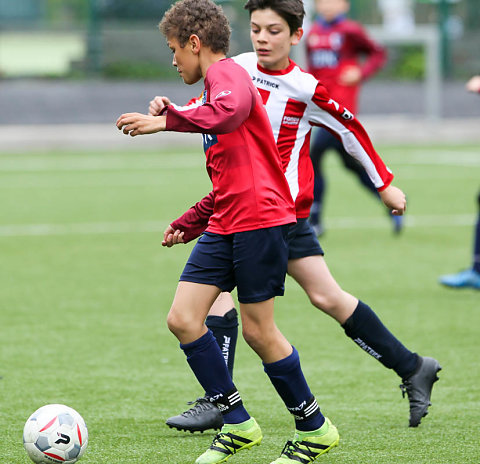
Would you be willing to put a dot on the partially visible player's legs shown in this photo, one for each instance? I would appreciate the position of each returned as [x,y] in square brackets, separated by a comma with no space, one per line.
[323,141]
[469,278]
[314,435]
[185,320]
[355,167]
[189,309]
[363,326]
[222,320]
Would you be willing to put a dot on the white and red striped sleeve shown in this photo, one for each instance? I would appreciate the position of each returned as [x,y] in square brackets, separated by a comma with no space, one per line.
[331,115]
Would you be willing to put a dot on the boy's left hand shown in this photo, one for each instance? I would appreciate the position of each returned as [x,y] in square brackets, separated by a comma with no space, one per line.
[394,199]
[140,124]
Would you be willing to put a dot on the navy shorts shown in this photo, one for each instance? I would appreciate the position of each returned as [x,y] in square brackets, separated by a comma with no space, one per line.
[302,241]
[254,261]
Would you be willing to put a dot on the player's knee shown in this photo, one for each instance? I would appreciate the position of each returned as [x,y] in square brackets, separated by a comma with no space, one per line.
[173,323]
[322,301]
[177,323]
[252,335]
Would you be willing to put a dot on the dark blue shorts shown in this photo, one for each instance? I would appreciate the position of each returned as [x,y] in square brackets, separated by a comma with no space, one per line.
[302,240]
[254,261]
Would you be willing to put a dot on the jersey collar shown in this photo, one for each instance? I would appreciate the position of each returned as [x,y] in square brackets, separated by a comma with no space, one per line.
[280,72]
[334,22]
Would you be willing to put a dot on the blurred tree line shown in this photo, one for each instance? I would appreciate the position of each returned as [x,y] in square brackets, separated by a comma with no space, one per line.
[122,40]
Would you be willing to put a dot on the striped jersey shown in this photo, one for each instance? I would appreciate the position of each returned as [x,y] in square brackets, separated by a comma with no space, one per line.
[295,101]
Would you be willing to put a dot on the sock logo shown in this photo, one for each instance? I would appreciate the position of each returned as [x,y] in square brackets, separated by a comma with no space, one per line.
[305,410]
[226,348]
[226,403]
[367,348]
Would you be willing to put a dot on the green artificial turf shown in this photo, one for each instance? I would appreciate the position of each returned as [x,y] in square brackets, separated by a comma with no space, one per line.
[85,287]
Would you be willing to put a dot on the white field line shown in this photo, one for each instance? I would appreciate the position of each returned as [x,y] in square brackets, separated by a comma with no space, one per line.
[79,164]
[102,228]
[193,159]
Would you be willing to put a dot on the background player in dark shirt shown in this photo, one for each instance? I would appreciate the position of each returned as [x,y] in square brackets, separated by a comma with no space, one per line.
[341,55]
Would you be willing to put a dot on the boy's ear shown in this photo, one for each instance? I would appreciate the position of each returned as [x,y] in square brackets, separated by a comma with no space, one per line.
[194,43]
[296,36]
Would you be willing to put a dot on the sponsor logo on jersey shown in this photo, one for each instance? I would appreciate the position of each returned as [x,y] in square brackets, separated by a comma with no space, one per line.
[334,103]
[267,83]
[324,58]
[208,141]
[347,115]
[291,121]
[223,94]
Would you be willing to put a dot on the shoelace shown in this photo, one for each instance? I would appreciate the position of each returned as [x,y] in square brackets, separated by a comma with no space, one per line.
[404,389]
[201,404]
[290,448]
[221,440]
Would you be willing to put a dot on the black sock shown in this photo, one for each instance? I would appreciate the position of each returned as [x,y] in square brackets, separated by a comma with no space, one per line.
[368,332]
[225,331]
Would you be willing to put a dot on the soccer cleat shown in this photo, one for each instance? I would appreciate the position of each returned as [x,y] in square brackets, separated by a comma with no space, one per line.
[203,416]
[464,279]
[306,446]
[419,386]
[231,440]
[397,222]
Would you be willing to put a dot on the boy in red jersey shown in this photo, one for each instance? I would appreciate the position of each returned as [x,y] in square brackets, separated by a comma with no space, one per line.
[335,49]
[244,245]
[295,101]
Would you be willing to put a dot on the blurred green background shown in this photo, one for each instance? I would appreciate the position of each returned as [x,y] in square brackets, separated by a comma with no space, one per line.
[119,38]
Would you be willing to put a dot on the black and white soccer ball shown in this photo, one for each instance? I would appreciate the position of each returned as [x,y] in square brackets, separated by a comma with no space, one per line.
[55,433]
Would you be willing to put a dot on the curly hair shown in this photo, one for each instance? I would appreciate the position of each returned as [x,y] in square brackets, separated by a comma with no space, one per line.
[292,11]
[200,17]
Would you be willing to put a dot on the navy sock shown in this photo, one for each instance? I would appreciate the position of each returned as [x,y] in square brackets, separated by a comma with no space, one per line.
[367,331]
[287,377]
[225,331]
[206,361]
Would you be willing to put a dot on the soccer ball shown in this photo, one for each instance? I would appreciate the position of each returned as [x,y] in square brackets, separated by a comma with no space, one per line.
[55,434]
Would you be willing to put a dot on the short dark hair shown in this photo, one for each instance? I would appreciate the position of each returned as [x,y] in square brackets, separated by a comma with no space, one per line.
[200,17]
[292,11]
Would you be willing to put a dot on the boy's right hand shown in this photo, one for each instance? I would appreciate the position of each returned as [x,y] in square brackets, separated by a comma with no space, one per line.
[157,105]
[172,237]
[473,85]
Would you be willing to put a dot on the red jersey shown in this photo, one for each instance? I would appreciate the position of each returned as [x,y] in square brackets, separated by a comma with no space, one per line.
[332,47]
[242,159]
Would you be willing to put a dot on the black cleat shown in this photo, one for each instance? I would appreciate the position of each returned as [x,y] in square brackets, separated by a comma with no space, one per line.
[203,416]
[419,386]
